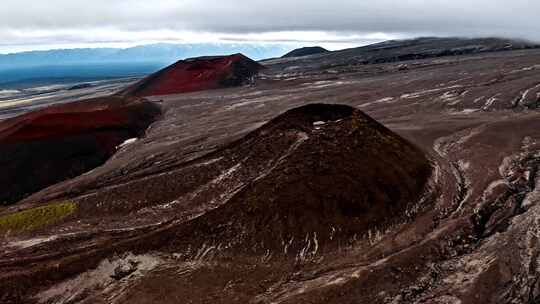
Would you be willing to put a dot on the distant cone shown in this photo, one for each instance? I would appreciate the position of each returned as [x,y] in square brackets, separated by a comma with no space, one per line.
[197,74]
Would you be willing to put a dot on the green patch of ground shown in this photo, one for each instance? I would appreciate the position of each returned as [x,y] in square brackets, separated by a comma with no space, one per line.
[35,218]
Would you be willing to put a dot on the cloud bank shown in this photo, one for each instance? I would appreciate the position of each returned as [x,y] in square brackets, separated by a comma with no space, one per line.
[339,22]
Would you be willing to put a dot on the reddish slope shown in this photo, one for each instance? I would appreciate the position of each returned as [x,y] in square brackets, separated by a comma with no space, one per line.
[47,146]
[197,74]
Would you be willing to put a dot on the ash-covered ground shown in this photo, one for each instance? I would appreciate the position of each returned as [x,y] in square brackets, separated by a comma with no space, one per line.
[421,187]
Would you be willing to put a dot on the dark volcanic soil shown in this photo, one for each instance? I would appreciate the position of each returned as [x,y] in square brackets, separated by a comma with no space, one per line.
[353,175]
[232,197]
[197,74]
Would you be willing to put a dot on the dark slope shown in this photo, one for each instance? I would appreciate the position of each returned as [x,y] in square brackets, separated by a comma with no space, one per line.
[305,51]
[292,179]
[402,50]
[44,147]
[197,74]
[420,48]
[329,181]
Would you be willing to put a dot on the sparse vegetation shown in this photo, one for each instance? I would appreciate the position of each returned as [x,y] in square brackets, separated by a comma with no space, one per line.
[35,218]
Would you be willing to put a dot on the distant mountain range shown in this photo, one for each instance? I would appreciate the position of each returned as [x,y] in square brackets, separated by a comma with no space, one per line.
[152,53]
[74,65]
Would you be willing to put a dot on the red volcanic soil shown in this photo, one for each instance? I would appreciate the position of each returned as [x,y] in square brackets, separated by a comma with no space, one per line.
[197,74]
[47,146]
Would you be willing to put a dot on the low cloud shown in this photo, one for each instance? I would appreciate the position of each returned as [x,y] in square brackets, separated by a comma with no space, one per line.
[29,22]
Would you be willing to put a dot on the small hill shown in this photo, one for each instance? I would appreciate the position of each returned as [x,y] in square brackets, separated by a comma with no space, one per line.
[322,172]
[197,74]
[305,51]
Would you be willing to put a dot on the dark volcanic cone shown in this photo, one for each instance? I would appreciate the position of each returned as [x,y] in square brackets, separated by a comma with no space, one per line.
[50,145]
[338,173]
[304,184]
[305,51]
[197,74]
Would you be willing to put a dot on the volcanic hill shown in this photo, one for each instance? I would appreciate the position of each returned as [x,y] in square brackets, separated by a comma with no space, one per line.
[327,173]
[197,74]
[47,146]
[305,51]
[319,170]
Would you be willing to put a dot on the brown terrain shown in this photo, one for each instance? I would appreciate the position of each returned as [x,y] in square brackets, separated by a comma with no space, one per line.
[402,172]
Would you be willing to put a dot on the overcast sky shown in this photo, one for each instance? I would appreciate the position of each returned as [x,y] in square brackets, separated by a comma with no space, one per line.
[45,24]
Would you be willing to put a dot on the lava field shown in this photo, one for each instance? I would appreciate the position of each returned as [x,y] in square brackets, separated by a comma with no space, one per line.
[401,172]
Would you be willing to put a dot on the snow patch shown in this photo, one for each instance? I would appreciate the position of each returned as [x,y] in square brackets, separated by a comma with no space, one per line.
[209,162]
[104,277]
[490,102]
[226,174]
[126,143]
[7,93]
[32,242]
[427,92]
[382,100]
[325,84]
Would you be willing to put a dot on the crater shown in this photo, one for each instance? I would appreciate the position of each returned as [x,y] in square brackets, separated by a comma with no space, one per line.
[47,146]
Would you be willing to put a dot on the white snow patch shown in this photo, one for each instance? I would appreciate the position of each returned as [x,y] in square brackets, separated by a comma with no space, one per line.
[382,100]
[426,92]
[127,142]
[209,162]
[469,111]
[32,242]
[490,102]
[226,174]
[478,99]
[464,112]
[168,205]
[244,103]
[326,84]
[464,165]
[99,278]
[447,300]
[5,93]
[451,97]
